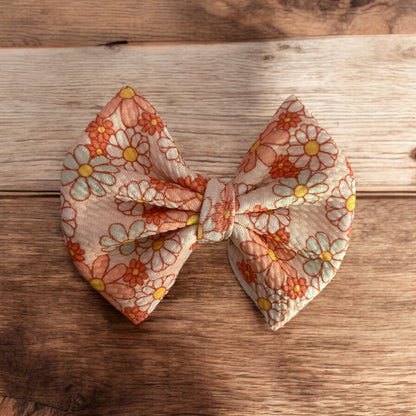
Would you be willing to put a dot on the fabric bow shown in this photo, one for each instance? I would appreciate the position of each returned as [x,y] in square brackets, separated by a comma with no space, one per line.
[132,211]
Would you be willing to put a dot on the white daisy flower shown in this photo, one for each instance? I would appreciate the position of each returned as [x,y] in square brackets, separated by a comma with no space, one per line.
[129,150]
[170,149]
[159,251]
[270,304]
[341,204]
[270,221]
[153,292]
[68,215]
[126,199]
[312,148]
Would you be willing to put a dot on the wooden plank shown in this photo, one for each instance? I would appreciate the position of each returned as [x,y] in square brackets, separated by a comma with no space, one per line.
[206,350]
[216,99]
[18,407]
[57,23]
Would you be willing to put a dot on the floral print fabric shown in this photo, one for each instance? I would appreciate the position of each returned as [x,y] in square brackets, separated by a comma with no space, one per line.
[132,211]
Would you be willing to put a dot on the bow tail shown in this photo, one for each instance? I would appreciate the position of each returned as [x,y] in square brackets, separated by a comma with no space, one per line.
[136,282]
[262,273]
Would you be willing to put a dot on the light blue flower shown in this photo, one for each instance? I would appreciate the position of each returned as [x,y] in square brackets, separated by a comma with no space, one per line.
[87,174]
[122,239]
[305,188]
[324,257]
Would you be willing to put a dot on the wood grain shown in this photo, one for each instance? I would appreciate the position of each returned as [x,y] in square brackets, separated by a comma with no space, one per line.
[206,350]
[10,406]
[78,22]
[362,89]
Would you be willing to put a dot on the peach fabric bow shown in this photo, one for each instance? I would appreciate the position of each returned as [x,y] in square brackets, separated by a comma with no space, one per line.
[132,211]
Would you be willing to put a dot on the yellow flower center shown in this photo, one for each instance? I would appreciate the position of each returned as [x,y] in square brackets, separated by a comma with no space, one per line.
[325,256]
[199,232]
[126,93]
[157,245]
[287,119]
[85,170]
[296,288]
[350,204]
[312,148]
[130,154]
[271,254]
[300,191]
[227,214]
[97,284]
[153,122]
[99,152]
[127,241]
[269,212]
[159,293]
[101,129]
[276,238]
[132,315]
[247,273]
[200,196]
[280,165]
[71,252]
[264,304]
[193,219]
[255,146]
[135,272]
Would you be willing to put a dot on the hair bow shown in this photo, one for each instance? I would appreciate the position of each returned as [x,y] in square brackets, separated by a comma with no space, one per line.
[132,211]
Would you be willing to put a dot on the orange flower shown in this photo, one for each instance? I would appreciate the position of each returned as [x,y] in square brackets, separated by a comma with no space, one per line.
[266,257]
[223,215]
[136,273]
[97,148]
[106,280]
[154,215]
[349,167]
[75,251]
[247,272]
[281,237]
[288,120]
[295,288]
[262,150]
[130,103]
[160,184]
[283,168]
[100,129]
[258,208]
[135,314]
[151,123]
[198,184]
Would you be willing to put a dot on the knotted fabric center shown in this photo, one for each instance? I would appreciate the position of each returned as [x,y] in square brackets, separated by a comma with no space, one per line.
[216,219]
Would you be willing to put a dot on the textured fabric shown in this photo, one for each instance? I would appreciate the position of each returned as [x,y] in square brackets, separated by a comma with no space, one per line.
[132,211]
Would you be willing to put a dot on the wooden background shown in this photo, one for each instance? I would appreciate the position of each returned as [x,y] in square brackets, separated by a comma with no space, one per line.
[206,350]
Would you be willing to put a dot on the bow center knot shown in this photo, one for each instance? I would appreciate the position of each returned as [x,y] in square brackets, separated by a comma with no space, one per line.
[216,218]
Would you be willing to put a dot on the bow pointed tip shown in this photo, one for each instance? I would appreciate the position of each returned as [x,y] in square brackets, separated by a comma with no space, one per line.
[291,98]
[126,92]
[274,327]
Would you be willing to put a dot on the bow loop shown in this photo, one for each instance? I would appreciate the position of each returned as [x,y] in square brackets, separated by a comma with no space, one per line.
[216,219]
